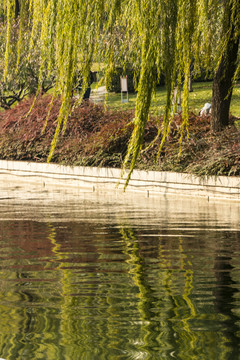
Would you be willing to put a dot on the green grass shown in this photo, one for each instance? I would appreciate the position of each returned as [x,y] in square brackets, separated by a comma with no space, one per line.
[202,93]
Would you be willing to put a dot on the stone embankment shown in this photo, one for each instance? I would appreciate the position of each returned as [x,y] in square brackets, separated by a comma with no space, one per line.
[149,183]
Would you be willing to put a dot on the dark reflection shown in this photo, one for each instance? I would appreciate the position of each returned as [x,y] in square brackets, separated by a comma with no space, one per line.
[119,286]
[226,292]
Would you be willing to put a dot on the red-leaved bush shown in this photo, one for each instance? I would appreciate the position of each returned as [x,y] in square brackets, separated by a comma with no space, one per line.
[95,137]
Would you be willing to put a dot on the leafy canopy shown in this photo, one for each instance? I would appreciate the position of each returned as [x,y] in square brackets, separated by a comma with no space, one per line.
[157,36]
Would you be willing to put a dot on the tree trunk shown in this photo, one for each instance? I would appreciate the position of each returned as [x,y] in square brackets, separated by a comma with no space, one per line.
[17,8]
[223,81]
[190,88]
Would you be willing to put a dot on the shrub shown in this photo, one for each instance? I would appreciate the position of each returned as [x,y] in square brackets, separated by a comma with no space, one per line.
[95,137]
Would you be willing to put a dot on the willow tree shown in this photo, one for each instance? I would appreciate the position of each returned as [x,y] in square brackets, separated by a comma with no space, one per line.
[165,36]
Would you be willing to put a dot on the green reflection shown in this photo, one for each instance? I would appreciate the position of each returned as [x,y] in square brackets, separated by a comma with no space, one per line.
[114,297]
[71,329]
[190,342]
[147,338]
[167,318]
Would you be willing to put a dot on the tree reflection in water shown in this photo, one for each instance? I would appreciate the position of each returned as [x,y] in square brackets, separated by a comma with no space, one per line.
[225,293]
[117,291]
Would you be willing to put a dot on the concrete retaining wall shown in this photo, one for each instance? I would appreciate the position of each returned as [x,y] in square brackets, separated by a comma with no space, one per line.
[97,179]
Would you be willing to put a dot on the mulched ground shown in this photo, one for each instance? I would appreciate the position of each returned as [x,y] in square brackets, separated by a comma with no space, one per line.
[95,137]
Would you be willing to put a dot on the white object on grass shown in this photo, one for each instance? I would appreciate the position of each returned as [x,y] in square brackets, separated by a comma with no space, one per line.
[206,109]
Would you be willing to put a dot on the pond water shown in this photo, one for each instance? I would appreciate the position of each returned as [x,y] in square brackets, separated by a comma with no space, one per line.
[93,276]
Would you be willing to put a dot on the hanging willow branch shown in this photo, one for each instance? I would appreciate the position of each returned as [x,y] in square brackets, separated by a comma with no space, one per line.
[156,36]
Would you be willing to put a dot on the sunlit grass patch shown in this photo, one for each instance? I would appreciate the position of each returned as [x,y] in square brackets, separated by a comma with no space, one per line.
[202,93]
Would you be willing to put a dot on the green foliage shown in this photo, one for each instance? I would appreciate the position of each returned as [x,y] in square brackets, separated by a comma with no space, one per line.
[152,36]
[22,77]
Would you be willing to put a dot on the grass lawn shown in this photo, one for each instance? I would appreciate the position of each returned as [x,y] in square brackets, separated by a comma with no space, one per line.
[202,93]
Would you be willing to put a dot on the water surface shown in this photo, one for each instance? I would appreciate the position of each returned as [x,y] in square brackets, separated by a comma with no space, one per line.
[93,276]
